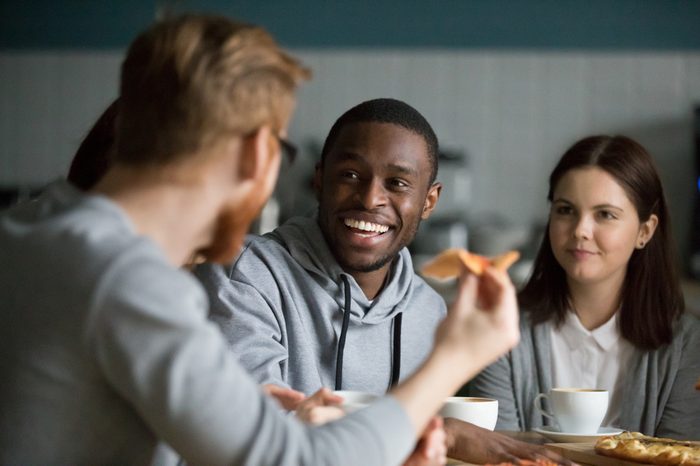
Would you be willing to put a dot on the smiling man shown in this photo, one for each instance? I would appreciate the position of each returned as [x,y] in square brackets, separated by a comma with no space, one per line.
[333,300]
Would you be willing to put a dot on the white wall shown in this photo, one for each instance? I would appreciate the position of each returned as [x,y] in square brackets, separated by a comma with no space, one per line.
[513,112]
[48,101]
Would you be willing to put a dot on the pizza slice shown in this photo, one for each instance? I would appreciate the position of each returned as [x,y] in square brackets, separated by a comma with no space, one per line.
[448,263]
[655,450]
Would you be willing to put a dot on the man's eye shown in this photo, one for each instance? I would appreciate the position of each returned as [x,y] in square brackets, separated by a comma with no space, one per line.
[350,174]
[398,183]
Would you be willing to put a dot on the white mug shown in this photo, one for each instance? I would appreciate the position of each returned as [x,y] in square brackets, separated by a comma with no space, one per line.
[482,412]
[354,400]
[575,410]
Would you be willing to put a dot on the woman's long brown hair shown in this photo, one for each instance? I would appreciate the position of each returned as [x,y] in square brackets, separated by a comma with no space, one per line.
[652,299]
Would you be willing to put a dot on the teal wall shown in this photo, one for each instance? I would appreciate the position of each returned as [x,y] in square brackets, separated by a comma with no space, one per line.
[542,24]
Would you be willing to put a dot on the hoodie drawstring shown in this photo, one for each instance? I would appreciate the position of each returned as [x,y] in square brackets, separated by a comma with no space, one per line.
[343,334]
[396,360]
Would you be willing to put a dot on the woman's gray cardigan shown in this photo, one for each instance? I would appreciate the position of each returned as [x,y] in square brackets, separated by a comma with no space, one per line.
[659,385]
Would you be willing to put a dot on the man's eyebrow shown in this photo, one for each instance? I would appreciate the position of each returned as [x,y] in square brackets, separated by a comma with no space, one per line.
[403,169]
[349,155]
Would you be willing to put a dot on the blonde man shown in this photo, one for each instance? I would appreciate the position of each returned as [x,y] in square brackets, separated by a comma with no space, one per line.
[104,342]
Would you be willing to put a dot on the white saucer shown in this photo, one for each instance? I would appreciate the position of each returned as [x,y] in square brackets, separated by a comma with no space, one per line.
[564,437]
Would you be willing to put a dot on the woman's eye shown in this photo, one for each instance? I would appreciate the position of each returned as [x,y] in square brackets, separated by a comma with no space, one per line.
[563,210]
[607,215]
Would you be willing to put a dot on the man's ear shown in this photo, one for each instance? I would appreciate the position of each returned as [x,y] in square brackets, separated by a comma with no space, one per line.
[318,180]
[255,152]
[431,200]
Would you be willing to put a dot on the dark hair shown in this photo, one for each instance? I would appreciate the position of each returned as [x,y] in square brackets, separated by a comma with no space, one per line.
[93,158]
[387,111]
[651,296]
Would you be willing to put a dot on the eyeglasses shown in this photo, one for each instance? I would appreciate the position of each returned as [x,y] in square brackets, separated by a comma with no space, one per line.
[289,149]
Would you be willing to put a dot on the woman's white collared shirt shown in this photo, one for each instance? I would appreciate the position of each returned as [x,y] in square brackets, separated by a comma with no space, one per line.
[596,358]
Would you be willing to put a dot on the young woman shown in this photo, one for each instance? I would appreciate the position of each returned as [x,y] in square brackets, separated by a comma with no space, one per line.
[603,307]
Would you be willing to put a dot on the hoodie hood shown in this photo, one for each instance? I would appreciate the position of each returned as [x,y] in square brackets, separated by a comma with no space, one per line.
[282,306]
[302,237]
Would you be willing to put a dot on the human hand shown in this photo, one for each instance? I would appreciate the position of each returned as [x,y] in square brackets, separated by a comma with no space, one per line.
[289,399]
[482,322]
[472,444]
[321,407]
[431,449]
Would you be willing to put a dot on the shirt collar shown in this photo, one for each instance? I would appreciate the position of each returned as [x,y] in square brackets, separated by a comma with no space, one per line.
[606,336]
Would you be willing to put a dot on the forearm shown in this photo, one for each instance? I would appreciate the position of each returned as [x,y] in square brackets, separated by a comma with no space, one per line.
[466,341]
[440,376]
[496,381]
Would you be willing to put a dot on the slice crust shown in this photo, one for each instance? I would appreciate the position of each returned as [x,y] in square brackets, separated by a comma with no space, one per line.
[646,449]
[448,264]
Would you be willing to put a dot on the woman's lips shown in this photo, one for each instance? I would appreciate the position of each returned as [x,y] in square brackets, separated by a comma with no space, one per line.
[581,254]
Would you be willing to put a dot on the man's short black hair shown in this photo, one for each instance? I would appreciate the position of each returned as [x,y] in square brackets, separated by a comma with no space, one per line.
[388,111]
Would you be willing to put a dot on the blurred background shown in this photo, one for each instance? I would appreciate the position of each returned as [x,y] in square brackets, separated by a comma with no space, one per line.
[507,86]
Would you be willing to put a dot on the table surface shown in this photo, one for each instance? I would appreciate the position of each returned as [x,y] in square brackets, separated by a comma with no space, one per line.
[529,437]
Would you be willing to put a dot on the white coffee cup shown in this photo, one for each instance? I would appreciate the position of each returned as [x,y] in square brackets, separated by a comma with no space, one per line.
[575,410]
[354,400]
[482,412]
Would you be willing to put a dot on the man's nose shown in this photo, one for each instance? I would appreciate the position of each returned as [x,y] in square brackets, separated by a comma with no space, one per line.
[372,194]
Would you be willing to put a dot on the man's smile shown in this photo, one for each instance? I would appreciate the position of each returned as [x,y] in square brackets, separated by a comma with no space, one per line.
[370,228]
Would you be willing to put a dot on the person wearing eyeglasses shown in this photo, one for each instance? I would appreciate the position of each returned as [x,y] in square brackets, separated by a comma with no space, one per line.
[105,345]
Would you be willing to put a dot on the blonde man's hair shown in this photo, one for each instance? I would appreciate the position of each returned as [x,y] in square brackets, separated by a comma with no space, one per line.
[190,82]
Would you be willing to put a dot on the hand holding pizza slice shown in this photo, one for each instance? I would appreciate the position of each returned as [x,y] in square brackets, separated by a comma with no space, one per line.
[448,264]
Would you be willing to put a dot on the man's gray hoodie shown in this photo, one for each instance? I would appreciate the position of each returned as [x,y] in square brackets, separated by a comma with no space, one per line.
[281,307]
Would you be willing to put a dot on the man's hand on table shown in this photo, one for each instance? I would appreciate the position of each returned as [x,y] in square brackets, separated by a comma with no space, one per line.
[472,444]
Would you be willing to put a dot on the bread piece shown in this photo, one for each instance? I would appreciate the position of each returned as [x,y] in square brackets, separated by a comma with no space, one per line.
[646,449]
[448,264]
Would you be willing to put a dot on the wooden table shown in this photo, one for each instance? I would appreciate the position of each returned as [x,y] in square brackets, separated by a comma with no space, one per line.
[529,437]
[581,453]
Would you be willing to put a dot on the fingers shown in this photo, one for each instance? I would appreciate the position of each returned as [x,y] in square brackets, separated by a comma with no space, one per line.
[554,456]
[325,397]
[431,448]
[498,298]
[433,439]
[466,294]
[493,286]
[289,399]
[317,415]
[321,407]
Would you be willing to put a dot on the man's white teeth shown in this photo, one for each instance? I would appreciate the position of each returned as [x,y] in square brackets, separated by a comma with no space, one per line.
[366,226]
